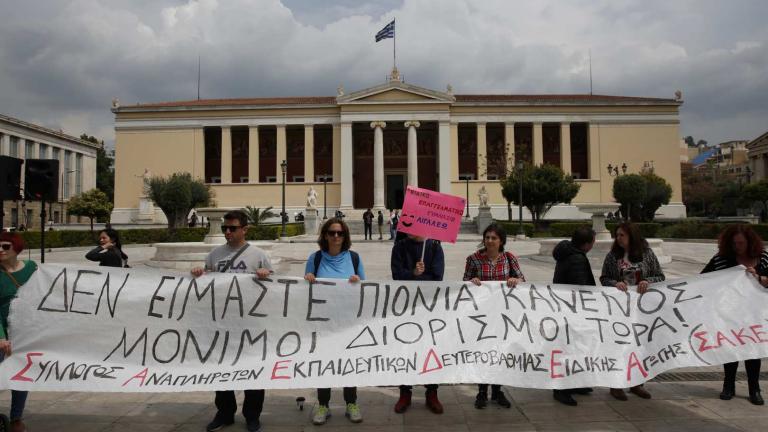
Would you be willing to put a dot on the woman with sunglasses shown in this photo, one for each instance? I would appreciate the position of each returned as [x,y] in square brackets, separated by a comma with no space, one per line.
[334,260]
[109,252]
[493,263]
[13,274]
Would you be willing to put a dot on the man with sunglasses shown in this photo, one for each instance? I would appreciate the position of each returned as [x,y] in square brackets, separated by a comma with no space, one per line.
[236,256]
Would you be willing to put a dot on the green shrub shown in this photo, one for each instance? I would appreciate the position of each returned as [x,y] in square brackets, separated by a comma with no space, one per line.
[647,229]
[566,229]
[512,228]
[57,239]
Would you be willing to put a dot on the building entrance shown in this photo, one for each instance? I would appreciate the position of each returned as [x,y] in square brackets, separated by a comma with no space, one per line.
[394,191]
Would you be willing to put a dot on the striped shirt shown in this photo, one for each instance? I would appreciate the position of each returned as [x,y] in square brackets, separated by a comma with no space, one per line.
[721,262]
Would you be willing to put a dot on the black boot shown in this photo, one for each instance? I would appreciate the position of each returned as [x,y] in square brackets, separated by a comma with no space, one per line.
[564,397]
[729,390]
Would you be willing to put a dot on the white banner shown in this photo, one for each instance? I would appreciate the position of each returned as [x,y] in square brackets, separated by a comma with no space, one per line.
[129,330]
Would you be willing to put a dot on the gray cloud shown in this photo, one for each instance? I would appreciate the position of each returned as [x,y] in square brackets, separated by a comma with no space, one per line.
[61,65]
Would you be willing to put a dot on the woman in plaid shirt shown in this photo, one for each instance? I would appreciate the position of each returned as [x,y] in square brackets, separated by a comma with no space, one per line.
[492,263]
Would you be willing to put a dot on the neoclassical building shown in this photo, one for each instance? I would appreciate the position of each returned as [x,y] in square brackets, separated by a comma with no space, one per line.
[77,168]
[364,147]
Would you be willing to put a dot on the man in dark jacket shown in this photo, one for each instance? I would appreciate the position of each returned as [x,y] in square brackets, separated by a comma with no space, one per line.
[406,264]
[572,267]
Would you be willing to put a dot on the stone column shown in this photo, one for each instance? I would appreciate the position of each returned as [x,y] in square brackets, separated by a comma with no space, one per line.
[226,155]
[509,145]
[593,150]
[413,155]
[565,147]
[253,154]
[282,153]
[445,152]
[345,168]
[482,153]
[378,164]
[538,144]
[336,138]
[309,153]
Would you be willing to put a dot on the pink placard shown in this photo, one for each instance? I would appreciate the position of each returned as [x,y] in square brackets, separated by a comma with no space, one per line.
[431,214]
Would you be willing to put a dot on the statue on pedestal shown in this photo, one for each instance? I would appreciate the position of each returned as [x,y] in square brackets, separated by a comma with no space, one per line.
[311,198]
[482,197]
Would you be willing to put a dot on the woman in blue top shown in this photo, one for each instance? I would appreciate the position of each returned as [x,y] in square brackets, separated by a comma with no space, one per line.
[334,260]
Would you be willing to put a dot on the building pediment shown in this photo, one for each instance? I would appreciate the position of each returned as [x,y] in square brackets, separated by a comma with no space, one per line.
[395,92]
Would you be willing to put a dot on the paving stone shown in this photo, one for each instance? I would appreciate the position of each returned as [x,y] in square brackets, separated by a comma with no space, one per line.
[641,409]
[553,411]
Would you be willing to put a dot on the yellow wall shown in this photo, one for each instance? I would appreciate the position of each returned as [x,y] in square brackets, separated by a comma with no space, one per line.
[269,194]
[163,152]
[634,144]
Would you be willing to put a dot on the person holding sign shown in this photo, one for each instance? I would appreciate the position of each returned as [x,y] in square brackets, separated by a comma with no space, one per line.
[334,260]
[13,274]
[572,268]
[630,262]
[740,245]
[236,256]
[492,263]
[417,258]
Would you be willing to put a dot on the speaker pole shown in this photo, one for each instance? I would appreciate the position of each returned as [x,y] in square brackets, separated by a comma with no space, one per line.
[2,214]
[42,231]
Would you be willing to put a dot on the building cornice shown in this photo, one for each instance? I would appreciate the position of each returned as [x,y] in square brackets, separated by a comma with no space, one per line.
[46,131]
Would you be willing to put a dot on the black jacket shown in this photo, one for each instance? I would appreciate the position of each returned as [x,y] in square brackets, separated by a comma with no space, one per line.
[112,257]
[572,265]
[407,252]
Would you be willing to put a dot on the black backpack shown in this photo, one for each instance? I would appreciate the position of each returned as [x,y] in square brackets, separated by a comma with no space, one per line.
[353,254]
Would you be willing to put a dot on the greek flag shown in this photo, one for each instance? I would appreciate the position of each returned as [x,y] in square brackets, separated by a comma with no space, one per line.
[387,32]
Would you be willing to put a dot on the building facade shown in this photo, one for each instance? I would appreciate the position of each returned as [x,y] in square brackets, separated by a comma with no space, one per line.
[758,158]
[363,148]
[77,168]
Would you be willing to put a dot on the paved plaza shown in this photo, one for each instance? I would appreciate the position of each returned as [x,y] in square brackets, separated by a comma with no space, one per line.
[676,405]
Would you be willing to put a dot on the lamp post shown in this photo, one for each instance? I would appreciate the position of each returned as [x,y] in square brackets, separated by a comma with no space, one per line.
[613,171]
[519,167]
[325,196]
[283,167]
[466,179]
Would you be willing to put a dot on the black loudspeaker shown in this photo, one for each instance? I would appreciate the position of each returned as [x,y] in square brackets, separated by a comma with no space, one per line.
[10,178]
[41,179]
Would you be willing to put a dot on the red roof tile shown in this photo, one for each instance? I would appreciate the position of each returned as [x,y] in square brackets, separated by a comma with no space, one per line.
[554,98]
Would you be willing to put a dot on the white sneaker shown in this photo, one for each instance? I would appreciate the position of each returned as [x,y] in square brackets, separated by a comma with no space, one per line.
[321,415]
[353,413]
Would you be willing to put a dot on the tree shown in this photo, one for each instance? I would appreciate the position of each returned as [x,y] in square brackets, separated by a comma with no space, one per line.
[629,190]
[657,193]
[105,167]
[92,204]
[257,216]
[701,142]
[689,141]
[177,195]
[543,187]
[757,192]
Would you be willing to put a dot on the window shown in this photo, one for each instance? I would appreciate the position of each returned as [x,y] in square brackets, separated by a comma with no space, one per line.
[55,153]
[13,151]
[467,176]
[244,179]
[78,174]
[29,149]
[214,179]
[493,176]
[324,177]
[298,179]
[43,151]
[212,138]
[271,179]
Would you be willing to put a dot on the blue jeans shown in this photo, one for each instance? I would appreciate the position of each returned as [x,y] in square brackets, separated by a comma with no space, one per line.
[18,400]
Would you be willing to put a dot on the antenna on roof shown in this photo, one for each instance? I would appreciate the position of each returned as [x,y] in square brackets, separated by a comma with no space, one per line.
[590,71]
[198,77]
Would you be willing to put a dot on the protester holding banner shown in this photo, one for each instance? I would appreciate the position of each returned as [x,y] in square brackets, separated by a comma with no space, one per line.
[572,268]
[492,263]
[406,263]
[630,262]
[740,245]
[13,274]
[236,256]
[109,252]
[335,260]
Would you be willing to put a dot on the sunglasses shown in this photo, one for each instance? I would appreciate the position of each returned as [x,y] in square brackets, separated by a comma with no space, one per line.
[335,233]
[6,246]
[230,228]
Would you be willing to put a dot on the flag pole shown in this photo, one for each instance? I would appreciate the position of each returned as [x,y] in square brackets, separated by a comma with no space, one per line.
[394,45]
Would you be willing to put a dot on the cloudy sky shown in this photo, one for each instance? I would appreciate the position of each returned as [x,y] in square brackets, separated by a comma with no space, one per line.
[62,61]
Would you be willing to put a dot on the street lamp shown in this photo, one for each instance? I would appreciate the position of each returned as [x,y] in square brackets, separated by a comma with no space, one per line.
[466,179]
[519,165]
[283,167]
[325,196]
